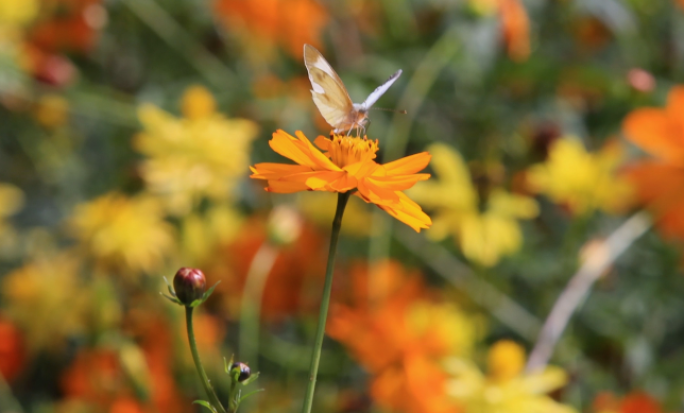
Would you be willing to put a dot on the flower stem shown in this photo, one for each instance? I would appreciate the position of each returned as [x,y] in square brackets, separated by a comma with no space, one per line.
[211,394]
[342,199]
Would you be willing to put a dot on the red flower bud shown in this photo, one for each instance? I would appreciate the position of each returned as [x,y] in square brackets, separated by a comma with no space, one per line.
[189,284]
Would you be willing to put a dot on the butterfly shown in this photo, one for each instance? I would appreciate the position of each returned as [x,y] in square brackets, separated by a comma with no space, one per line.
[332,98]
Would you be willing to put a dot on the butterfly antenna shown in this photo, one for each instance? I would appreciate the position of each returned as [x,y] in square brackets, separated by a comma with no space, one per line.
[402,111]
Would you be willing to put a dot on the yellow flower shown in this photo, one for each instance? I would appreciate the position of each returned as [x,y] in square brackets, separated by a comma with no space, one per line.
[11,201]
[358,219]
[46,300]
[203,155]
[484,236]
[123,233]
[17,12]
[506,389]
[201,234]
[584,181]
[52,111]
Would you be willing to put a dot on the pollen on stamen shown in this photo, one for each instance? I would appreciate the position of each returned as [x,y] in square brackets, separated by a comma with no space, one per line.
[347,150]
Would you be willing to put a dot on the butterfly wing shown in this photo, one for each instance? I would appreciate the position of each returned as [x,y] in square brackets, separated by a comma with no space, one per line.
[329,93]
[379,91]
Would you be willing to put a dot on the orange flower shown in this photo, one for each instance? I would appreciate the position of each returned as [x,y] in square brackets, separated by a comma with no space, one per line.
[346,165]
[12,350]
[637,402]
[659,182]
[71,25]
[289,23]
[516,29]
[400,336]
[297,271]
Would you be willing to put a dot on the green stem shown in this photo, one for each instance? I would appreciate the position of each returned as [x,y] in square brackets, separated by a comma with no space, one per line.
[342,199]
[211,394]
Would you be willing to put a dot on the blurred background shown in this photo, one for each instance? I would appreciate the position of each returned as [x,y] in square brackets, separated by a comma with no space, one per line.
[557,134]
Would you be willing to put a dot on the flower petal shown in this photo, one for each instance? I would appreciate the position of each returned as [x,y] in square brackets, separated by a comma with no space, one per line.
[375,193]
[300,150]
[408,212]
[286,187]
[323,143]
[656,133]
[398,183]
[408,165]
[322,180]
[268,170]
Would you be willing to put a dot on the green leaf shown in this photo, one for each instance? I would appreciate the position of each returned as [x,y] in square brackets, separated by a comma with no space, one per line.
[251,393]
[172,299]
[251,379]
[205,404]
[205,296]
[227,364]
[171,290]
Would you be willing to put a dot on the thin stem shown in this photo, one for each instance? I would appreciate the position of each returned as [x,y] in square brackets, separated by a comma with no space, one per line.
[601,258]
[325,303]
[250,313]
[211,394]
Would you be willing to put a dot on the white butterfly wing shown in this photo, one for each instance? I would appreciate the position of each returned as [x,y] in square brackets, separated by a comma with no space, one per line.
[329,94]
[379,91]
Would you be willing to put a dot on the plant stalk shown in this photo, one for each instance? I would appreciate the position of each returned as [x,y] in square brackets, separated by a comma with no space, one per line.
[211,394]
[342,199]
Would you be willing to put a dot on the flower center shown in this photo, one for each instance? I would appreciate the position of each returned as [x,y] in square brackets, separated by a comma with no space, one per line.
[345,150]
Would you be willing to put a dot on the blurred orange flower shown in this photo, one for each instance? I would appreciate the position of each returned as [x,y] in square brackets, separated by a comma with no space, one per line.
[515,24]
[68,26]
[659,181]
[346,165]
[637,402]
[298,269]
[12,350]
[516,29]
[113,377]
[288,23]
[400,336]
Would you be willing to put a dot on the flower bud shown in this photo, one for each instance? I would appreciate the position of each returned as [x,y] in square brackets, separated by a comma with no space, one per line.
[243,369]
[189,284]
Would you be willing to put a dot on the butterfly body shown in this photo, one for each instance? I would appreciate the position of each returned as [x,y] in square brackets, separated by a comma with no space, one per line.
[331,96]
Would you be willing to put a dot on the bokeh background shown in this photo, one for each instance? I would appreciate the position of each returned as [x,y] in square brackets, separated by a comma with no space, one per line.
[126,132]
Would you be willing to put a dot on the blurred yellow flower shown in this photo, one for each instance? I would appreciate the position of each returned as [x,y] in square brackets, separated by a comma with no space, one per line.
[484,236]
[45,299]
[17,12]
[200,234]
[582,180]
[123,233]
[52,111]
[358,218]
[506,389]
[201,155]
[11,201]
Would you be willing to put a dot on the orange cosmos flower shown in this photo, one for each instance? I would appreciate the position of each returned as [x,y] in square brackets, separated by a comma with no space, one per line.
[659,181]
[516,29]
[636,402]
[264,24]
[346,165]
